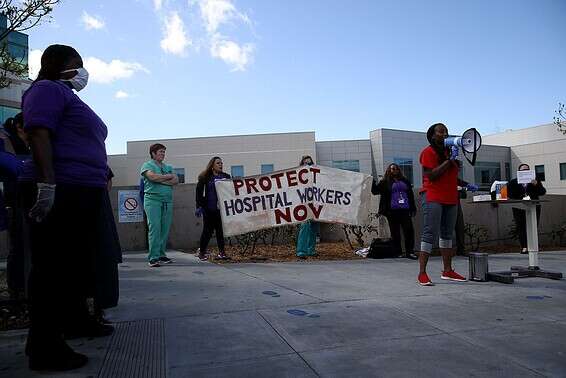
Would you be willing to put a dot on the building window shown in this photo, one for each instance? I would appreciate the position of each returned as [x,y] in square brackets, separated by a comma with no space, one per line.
[348,165]
[486,172]
[507,171]
[406,166]
[7,112]
[237,171]
[180,172]
[539,171]
[562,171]
[266,168]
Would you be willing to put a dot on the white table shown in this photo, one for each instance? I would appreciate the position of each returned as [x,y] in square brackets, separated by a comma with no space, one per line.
[533,270]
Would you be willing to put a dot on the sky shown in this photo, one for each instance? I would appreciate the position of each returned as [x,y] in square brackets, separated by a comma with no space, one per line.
[163,69]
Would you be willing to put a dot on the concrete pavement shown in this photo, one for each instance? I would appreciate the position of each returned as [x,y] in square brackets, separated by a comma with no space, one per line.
[332,319]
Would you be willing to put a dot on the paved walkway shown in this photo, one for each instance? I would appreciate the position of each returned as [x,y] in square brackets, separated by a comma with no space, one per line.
[332,319]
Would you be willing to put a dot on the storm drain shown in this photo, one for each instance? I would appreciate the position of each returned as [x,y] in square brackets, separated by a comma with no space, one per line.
[137,349]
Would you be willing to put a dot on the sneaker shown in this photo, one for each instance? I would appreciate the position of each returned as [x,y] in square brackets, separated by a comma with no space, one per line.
[202,257]
[452,276]
[524,251]
[424,280]
[411,256]
[154,263]
[165,260]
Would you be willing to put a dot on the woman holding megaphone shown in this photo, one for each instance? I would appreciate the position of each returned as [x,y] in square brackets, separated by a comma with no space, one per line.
[439,198]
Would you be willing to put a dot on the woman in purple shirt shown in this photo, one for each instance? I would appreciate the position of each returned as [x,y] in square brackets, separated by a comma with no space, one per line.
[207,206]
[67,144]
[397,203]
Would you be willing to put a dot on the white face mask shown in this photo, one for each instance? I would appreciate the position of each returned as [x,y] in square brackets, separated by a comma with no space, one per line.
[80,80]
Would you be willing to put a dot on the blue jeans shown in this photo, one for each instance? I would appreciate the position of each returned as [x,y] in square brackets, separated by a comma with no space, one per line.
[440,219]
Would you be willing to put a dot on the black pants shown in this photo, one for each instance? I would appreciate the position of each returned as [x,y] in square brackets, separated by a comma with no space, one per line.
[400,219]
[460,242]
[212,223]
[520,217]
[62,264]
[15,261]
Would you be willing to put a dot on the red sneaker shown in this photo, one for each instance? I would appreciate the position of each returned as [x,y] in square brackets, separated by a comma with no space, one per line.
[452,276]
[424,280]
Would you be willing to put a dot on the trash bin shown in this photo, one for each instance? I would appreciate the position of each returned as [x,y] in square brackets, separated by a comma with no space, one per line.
[478,266]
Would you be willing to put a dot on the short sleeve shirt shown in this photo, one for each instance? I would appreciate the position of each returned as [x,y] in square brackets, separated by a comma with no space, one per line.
[77,133]
[156,190]
[444,189]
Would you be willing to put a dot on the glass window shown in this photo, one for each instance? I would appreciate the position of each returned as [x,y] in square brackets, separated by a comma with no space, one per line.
[180,172]
[348,165]
[237,171]
[539,171]
[486,172]
[406,166]
[266,168]
[562,171]
[7,112]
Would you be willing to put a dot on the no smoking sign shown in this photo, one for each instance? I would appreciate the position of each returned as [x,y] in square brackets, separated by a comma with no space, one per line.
[130,210]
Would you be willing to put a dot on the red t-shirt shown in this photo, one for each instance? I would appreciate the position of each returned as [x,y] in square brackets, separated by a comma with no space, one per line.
[444,189]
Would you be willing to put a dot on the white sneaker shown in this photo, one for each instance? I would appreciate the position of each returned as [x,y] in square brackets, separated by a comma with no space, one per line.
[524,251]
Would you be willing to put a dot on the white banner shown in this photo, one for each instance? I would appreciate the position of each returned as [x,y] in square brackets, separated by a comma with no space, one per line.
[292,196]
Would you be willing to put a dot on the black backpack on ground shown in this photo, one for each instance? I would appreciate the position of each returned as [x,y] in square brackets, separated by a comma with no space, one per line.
[383,249]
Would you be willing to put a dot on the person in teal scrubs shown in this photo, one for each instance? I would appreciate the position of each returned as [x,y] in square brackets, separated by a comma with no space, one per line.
[158,179]
[308,231]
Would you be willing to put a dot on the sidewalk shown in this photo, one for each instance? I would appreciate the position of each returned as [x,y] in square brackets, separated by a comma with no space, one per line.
[306,319]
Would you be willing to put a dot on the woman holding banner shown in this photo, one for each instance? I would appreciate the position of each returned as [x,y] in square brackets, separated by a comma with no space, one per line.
[308,231]
[207,206]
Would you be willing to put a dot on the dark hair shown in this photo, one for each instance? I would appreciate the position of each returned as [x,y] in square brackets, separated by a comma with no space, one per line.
[440,151]
[11,127]
[155,147]
[520,165]
[55,59]
[389,175]
[305,157]
[207,173]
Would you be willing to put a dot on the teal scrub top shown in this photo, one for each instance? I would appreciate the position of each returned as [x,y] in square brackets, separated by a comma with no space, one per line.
[156,190]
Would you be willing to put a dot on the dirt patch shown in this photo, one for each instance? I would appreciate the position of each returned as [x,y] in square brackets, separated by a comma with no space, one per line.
[284,253]
[13,314]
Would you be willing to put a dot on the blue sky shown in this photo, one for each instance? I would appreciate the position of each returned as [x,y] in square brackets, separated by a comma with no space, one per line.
[173,69]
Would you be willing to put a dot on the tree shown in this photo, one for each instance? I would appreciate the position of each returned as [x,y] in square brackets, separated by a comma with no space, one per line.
[560,118]
[20,16]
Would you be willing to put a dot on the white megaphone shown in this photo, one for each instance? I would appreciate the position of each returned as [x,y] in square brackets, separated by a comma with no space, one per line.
[470,142]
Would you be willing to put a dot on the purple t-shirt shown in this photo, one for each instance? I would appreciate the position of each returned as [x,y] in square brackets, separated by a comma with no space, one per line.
[399,196]
[77,133]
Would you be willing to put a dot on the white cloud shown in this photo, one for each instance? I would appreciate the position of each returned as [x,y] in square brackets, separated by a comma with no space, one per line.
[120,95]
[175,40]
[217,12]
[99,71]
[34,63]
[91,22]
[104,73]
[157,4]
[236,56]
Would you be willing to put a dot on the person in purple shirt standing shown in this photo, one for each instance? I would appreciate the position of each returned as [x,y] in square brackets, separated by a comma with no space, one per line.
[67,143]
[207,206]
[397,203]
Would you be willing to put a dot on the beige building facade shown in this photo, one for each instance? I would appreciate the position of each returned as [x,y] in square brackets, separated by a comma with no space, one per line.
[243,155]
[542,147]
